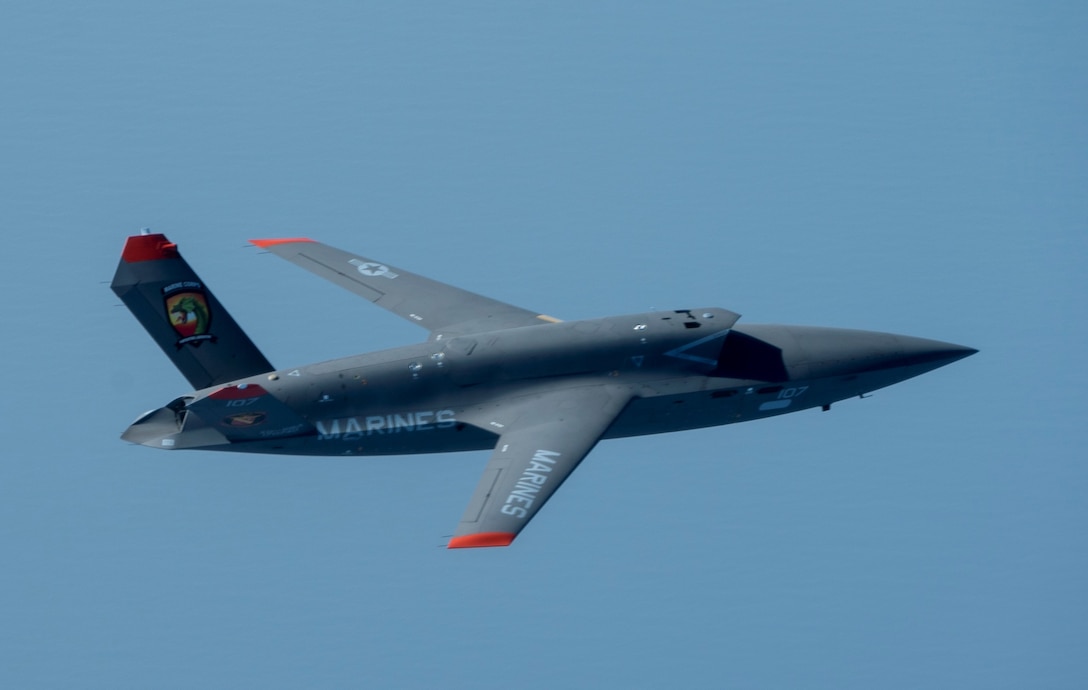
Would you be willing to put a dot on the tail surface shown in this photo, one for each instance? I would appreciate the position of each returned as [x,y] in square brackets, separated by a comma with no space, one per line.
[182,315]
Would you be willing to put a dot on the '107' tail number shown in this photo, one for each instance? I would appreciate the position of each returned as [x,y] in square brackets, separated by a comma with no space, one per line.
[788,393]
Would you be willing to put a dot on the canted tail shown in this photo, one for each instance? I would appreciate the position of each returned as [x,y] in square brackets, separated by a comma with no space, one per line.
[182,315]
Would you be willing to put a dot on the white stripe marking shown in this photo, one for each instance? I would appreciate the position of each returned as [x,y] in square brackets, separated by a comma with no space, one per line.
[774,405]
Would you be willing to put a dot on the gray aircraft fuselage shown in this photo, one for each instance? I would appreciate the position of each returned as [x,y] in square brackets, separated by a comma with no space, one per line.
[685,371]
[537,391]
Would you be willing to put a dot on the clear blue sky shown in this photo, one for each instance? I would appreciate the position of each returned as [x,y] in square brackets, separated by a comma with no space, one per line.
[914,167]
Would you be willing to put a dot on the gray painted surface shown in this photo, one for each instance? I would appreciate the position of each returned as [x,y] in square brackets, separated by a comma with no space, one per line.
[539,391]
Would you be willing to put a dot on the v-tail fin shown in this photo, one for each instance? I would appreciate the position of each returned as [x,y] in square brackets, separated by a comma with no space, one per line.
[182,315]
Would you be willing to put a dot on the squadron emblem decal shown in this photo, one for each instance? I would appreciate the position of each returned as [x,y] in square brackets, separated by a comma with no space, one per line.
[188,311]
[245,419]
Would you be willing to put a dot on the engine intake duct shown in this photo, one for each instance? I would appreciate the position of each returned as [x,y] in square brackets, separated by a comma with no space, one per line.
[745,357]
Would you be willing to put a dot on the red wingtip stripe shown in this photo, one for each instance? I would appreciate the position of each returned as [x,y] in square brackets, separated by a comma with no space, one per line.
[148,248]
[264,244]
[472,541]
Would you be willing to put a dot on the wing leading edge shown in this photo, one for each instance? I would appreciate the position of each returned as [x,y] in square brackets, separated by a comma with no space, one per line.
[442,309]
[544,437]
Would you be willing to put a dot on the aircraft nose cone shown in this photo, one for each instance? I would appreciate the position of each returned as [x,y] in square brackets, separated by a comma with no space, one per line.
[925,351]
[834,351]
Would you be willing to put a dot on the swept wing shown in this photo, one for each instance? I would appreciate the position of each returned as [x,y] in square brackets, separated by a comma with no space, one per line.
[543,438]
[443,309]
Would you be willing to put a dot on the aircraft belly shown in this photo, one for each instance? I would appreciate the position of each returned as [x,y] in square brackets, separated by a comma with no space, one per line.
[716,407]
[439,441]
[660,407]
[665,413]
[661,410]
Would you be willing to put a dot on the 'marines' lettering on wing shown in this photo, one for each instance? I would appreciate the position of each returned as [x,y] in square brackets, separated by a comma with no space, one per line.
[534,477]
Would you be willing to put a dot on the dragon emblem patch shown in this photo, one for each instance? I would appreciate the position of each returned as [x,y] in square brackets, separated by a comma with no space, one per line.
[188,311]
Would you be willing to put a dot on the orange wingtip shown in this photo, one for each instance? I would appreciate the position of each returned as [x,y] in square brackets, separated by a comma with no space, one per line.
[473,541]
[264,244]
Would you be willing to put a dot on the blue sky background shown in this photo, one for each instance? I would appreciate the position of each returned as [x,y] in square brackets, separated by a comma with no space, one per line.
[914,167]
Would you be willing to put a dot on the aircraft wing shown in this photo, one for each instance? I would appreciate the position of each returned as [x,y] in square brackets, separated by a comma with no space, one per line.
[442,309]
[543,438]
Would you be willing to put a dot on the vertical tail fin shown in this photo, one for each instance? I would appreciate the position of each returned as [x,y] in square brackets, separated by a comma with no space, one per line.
[182,315]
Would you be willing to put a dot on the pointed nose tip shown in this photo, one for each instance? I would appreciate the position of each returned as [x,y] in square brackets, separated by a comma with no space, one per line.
[964,351]
[843,352]
[923,350]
